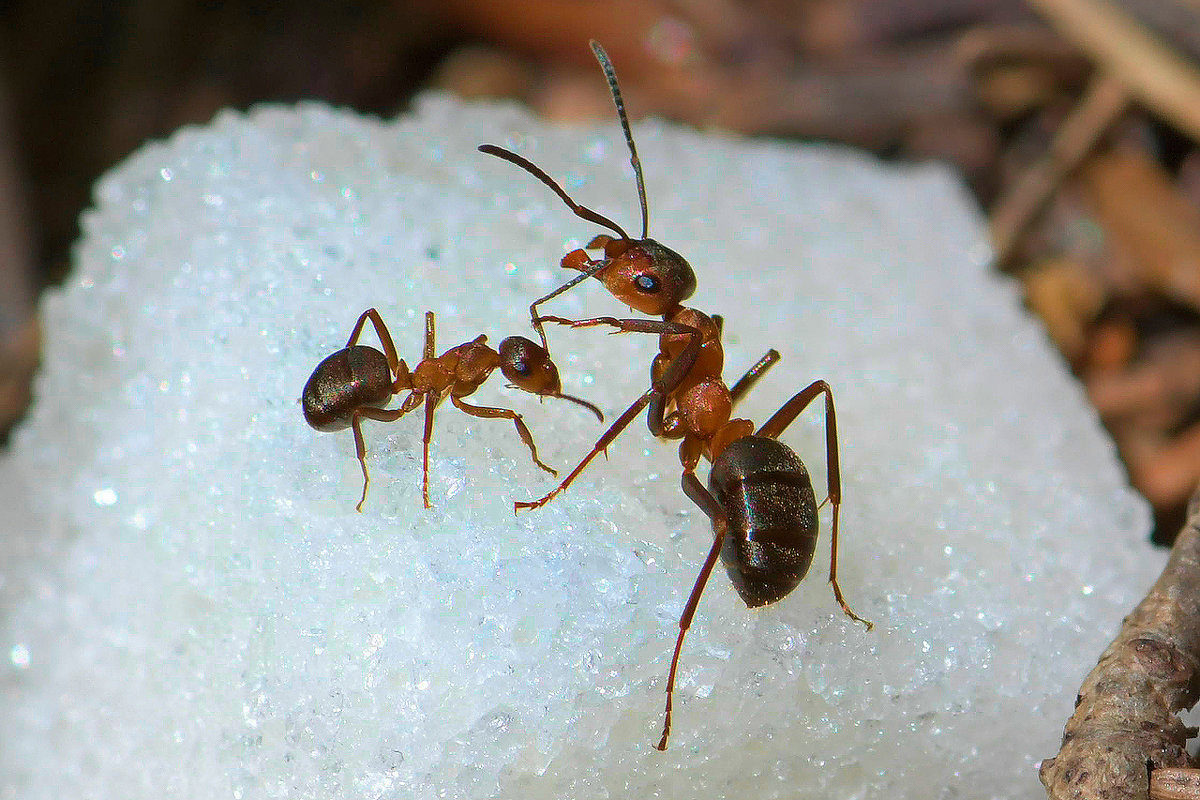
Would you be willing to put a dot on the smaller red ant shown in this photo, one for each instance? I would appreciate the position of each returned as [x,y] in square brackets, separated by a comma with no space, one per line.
[356,382]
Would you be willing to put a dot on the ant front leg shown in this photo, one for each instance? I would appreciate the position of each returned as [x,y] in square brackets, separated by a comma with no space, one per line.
[590,269]
[488,412]
[431,403]
[675,370]
[672,376]
[773,427]
[709,505]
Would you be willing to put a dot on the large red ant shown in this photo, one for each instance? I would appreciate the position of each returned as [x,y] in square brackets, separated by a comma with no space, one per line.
[760,498]
[356,382]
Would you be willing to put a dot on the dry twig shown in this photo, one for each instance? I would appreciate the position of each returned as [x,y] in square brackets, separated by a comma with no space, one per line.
[1124,723]
[1152,71]
[1104,102]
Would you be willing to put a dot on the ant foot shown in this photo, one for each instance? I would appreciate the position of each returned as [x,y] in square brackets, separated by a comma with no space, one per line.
[517,506]
[837,595]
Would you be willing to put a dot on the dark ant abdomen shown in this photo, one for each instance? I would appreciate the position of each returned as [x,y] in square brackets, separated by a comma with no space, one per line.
[767,496]
[353,377]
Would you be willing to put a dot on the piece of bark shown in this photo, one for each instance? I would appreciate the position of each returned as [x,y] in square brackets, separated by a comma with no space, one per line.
[1111,348]
[483,72]
[871,102]
[1124,723]
[984,46]
[1176,21]
[550,30]
[1161,391]
[1011,91]
[1175,783]
[1020,68]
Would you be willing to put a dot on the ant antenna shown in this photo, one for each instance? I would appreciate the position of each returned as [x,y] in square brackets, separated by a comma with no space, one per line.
[536,171]
[611,76]
[580,402]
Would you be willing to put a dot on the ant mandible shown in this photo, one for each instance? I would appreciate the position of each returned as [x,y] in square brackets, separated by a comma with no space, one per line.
[642,273]
[356,382]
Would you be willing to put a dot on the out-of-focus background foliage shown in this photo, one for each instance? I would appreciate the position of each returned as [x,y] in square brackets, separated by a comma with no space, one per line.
[1074,121]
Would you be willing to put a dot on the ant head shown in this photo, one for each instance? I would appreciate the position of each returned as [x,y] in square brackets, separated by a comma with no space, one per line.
[528,367]
[646,276]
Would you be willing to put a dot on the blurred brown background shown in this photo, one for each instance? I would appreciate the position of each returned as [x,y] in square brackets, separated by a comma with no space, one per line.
[1074,121]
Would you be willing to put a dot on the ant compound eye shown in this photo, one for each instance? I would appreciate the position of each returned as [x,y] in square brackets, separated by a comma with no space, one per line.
[647,283]
[521,367]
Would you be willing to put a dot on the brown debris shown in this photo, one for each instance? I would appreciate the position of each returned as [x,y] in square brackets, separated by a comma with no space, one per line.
[1104,102]
[1155,227]
[1067,297]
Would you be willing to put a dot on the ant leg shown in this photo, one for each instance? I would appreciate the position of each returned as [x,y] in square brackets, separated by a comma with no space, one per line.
[431,403]
[657,405]
[429,346]
[747,381]
[360,447]
[777,424]
[624,325]
[385,338]
[487,412]
[672,376]
[580,278]
[708,504]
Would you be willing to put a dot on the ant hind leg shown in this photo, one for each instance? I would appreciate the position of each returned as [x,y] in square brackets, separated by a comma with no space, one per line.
[776,425]
[708,504]
[360,447]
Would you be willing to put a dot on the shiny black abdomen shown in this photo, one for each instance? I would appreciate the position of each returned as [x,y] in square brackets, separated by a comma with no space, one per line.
[353,377]
[768,498]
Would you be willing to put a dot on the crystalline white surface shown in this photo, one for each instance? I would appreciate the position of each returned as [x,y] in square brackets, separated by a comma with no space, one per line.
[191,608]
